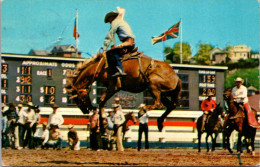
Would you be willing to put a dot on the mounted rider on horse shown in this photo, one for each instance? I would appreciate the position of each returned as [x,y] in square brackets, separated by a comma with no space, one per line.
[126,36]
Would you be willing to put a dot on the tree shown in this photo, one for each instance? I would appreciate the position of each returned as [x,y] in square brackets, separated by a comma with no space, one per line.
[173,54]
[202,56]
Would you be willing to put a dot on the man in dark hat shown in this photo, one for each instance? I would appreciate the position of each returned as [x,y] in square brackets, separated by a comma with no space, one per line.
[126,36]
[55,118]
[12,117]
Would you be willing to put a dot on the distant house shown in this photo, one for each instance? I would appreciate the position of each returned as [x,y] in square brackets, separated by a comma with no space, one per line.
[239,52]
[217,56]
[39,52]
[65,51]
[255,56]
[251,90]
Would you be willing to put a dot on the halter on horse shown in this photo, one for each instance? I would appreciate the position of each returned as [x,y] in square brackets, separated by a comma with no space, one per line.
[142,73]
[212,127]
[239,123]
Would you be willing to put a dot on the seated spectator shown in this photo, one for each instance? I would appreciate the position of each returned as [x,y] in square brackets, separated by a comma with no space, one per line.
[73,140]
[55,138]
[41,136]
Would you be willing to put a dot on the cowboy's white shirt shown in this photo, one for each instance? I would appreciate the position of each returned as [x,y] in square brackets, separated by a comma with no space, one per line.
[240,93]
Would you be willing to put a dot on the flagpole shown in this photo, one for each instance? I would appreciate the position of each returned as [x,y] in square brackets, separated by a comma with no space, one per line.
[76,37]
[181,44]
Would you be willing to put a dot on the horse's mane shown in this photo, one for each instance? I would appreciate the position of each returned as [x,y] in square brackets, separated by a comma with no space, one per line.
[71,78]
[82,65]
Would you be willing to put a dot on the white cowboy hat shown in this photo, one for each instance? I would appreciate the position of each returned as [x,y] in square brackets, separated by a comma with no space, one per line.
[115,105]
[70,126]
[30,104]
[117,99]
[142,105]
[238,79]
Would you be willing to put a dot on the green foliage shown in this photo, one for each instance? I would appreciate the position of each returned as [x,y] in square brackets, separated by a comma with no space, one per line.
[249,63]
[250,76]
[173,54]
[203,53]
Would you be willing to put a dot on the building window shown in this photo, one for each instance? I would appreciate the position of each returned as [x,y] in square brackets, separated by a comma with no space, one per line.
[184,99]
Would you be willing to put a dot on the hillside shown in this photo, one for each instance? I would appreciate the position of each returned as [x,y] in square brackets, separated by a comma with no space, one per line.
[250,76]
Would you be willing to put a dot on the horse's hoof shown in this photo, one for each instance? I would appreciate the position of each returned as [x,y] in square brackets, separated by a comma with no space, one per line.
[230,151]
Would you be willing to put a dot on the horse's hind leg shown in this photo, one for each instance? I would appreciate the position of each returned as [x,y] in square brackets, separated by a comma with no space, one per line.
[214,141]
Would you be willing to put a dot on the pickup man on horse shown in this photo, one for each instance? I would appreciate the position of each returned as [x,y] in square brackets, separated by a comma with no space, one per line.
[239,93]
[126,36]
[207,106]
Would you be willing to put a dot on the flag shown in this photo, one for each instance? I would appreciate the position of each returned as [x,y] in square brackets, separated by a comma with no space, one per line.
[172,32]
[75,33]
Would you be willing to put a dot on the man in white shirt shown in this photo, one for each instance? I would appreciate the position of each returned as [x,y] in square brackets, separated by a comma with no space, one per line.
[20,129]
[239,93]
[143,126]
[41,136]
[118,119]
[29,121]
[55,118]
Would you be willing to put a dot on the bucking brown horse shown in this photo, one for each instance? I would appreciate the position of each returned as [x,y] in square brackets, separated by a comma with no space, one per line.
[142,72]
[237,120]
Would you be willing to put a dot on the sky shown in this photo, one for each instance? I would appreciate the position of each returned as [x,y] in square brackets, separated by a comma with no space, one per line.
[42,24]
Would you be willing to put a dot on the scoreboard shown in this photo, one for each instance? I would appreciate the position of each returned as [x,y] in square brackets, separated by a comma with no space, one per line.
[36,79]
[41,80]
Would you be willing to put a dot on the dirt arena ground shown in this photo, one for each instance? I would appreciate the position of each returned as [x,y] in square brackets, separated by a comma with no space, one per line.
[130,157]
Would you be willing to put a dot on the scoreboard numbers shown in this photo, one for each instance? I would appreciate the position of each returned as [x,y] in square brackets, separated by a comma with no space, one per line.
[207,84]
[25,81]
[49,94]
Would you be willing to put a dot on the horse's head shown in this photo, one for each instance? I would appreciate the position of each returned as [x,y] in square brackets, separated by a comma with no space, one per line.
[228,94]
[79,83]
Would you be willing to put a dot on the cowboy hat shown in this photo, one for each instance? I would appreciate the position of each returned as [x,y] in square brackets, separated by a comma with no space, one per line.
[3,105]
[20,105]
[210,94]
[110,14]
[117,99]
[30,104]
[70,126]
[54,106]
[238,79]
[11,105]
[115,105]
[142,105]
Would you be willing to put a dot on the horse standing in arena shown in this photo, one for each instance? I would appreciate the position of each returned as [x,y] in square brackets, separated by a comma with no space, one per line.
[213,126]
[142,73]
[238,123]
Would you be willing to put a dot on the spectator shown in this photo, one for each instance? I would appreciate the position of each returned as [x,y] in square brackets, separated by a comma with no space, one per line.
[117,101]
[3,127]
[41,136]
[110,129]
[94,129]
[21,125]
[55,138]
[73,139]
[29,121]
[38,118]
[143,126]
[118,119]
[12,118]
[55,118]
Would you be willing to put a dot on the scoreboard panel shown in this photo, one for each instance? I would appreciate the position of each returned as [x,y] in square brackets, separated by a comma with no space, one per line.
[41,80]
